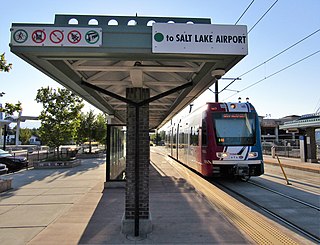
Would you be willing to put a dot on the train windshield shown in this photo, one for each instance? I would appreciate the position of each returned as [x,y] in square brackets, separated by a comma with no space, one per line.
[234,128]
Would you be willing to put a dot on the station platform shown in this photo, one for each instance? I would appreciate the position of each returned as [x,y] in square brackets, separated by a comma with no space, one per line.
[71,206]
[293,163]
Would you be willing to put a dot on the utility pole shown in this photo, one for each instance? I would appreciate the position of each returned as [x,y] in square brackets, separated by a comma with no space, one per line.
[1,118]
[4,137]
[216,91]
[217,74]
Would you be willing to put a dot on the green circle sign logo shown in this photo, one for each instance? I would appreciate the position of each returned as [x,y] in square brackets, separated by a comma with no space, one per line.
[92,37]
[158,37]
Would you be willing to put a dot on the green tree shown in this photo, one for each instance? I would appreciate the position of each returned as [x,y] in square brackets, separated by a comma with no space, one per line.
[100,133]
[156,138]
[8,108]
[93,128]
[3,64]
[60,117]
[87,128]
[11,108]
[25,134]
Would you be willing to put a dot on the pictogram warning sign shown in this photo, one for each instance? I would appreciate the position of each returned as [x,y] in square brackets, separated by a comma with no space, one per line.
[20,36]
[74,36]
[56,36]
[38,36]
[92,36]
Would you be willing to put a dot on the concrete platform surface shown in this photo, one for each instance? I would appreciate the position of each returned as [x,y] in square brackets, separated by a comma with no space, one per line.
[293,163]
[40,198]
[71,206]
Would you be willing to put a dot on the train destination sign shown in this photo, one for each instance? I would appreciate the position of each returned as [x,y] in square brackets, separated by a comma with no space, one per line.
[199,39]
[56,36]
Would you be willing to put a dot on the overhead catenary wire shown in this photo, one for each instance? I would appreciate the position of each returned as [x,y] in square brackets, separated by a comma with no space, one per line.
[244,12]
[317,107]
[262,16]
[283,51]
[273,57]
[273,74]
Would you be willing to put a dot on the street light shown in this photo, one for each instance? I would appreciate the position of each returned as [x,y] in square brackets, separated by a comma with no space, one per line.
[217,74]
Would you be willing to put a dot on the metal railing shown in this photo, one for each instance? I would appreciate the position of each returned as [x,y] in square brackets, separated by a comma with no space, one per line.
[286,151]
[42,155]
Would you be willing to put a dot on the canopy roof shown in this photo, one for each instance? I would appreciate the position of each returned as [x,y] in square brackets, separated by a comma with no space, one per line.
[123,57]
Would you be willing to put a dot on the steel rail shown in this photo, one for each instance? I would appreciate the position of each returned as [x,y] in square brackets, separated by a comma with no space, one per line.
[294,180]
[254,225]
[285,221]
[286,196]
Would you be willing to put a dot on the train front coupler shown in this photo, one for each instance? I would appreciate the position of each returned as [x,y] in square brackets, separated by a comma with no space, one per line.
[242,171]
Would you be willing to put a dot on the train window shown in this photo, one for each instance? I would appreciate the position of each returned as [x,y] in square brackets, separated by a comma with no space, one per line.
[167,138]
[204,132]
[181,139]
[194,136]
[234,129]
[174,137]
[186,139]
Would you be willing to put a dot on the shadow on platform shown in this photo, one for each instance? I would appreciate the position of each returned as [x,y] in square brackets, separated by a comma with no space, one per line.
[179,216]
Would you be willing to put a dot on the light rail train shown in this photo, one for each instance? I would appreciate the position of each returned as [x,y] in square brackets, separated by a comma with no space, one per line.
[218,139]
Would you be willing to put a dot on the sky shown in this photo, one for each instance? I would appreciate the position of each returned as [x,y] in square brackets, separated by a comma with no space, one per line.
[288,84]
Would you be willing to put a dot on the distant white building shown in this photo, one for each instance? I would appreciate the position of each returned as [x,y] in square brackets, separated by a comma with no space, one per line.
[34,140]
[15,119]
[10,139]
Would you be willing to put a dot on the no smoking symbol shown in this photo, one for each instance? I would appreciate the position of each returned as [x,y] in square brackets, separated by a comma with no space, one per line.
[56,36]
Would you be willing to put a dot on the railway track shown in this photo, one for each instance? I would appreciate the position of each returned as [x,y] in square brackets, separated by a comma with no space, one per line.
[286,196]
[303,184]
[306,181]
[291,222]
[249,215]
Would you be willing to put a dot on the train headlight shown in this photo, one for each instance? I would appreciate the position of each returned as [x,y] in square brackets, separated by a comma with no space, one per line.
[222,154]
[253,154]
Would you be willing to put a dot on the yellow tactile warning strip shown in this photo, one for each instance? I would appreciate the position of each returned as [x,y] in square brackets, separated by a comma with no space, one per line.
[248,220]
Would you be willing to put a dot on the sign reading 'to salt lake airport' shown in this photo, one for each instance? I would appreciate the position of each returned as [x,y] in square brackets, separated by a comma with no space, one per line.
[199,39]
[56,36]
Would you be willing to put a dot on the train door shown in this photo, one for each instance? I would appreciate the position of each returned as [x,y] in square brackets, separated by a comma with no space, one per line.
[204,138]
[168,141]
[187,144]
[194,146]
[174,143]
[182,143]
[171,141]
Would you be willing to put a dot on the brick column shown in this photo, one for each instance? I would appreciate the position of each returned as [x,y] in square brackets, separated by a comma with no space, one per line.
[128,225]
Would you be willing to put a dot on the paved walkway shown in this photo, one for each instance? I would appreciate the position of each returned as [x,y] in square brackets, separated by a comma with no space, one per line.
[294,163]
[41,198]
[71,206]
